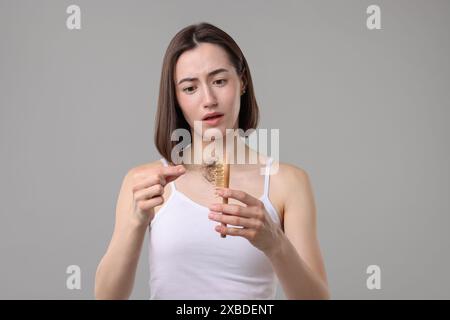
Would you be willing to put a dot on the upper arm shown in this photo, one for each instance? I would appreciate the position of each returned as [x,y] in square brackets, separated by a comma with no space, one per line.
[300,221]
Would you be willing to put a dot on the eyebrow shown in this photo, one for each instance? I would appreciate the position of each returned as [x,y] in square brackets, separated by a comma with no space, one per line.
[212,73]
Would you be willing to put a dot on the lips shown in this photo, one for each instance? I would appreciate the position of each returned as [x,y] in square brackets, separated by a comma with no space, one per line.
[212,116]
[213,119]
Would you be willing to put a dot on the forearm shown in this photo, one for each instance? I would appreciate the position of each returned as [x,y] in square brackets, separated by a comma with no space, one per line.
[116,272]
[296,278]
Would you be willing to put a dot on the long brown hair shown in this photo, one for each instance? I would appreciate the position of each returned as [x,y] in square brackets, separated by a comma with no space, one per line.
[169,115]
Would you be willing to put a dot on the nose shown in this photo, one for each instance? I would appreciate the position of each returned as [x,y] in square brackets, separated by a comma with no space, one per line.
[210,99]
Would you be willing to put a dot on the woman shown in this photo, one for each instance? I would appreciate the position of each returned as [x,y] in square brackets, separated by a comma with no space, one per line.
[267,237]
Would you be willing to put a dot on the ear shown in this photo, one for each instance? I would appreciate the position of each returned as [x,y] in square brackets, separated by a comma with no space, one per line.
[243,83]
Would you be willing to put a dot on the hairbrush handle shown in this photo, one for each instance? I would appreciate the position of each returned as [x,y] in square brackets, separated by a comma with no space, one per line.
[224,201]
[226,178]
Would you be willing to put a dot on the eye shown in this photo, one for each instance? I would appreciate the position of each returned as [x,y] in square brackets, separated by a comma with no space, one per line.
[187,90]
[222,81]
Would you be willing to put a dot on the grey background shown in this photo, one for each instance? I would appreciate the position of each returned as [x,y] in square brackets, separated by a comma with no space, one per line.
[364,112]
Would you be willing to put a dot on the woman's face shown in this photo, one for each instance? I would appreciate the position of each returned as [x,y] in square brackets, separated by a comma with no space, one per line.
[206,82]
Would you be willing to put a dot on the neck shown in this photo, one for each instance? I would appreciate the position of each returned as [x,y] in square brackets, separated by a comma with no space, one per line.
[201,153]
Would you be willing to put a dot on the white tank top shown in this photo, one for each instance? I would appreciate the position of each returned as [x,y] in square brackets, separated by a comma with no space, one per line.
[189,260]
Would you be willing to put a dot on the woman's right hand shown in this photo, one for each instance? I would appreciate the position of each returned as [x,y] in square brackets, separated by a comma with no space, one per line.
[148,190]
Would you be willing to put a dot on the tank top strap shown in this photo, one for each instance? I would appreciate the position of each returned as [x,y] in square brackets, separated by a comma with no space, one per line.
[166,164]
[267,177]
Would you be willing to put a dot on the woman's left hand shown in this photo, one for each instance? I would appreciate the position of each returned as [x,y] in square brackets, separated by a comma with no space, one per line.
[258,227]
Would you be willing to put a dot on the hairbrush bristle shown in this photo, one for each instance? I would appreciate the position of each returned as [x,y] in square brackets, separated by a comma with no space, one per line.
[221,175]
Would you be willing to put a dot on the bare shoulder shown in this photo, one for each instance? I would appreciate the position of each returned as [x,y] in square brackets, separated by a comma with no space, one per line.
[288,174]
[145,167]
[287,183]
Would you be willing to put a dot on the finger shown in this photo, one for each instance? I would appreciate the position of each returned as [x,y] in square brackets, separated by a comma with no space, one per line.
[150,192]
[173,172]
[233,220]
[150,181]
[231,231]
[150,203]
[234,209]
[238,195]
